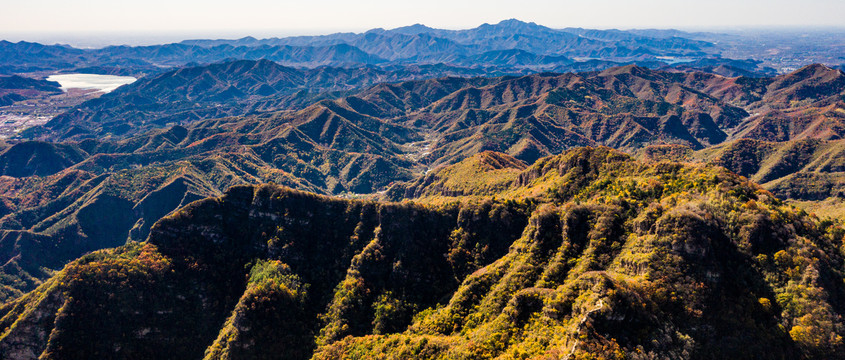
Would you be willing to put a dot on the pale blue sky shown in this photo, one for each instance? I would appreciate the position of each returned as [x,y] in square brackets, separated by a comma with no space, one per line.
[151,18]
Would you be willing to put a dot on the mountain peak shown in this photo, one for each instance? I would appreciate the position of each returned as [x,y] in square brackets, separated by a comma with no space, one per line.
[515,23]
[376,31]
[632,69]
[813,73]
[497,161]
[816,71]
[813,81]
[247,40]
[415,29]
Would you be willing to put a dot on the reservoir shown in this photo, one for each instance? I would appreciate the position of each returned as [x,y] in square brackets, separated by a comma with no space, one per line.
[104,83]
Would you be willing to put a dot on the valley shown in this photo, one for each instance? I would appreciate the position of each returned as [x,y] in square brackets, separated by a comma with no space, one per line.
[39,106]
[38,111]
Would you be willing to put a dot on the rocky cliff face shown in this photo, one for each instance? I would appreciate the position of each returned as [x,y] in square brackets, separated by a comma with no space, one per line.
[586,254]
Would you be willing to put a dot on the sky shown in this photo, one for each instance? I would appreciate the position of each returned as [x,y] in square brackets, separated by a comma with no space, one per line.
[154,21]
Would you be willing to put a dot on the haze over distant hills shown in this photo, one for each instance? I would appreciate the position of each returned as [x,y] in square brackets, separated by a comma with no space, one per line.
[510,42]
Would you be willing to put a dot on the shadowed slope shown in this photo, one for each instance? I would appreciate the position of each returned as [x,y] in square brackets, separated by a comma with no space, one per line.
[617,258]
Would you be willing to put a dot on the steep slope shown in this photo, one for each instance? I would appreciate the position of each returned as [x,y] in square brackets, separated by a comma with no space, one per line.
[419,48]
[351,226]
[587,254]
[807,169]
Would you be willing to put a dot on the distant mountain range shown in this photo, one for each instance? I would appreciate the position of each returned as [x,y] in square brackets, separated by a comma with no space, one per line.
[510,43]
[419,43]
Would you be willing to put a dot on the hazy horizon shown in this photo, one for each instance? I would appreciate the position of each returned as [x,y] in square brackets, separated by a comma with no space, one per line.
[96,39]
[101,22]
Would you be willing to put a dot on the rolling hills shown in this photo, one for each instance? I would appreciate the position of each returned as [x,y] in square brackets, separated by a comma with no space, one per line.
[224,89]
[624,107]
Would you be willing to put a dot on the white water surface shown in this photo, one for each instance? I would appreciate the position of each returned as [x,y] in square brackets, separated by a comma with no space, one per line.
[104,83]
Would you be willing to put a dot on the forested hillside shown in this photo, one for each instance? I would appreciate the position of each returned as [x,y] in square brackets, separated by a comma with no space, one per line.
[588,254]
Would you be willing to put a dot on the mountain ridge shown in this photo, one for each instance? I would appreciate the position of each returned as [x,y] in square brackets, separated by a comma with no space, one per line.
[423,45]
[506,274]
